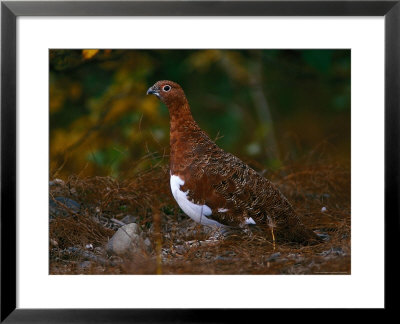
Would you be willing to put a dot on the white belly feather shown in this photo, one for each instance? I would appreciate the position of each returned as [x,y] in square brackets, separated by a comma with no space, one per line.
[196,212]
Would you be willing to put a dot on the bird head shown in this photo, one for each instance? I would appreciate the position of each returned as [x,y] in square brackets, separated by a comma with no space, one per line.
[168,92]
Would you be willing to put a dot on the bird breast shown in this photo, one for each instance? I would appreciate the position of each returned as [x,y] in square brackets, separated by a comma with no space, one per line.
[196,212]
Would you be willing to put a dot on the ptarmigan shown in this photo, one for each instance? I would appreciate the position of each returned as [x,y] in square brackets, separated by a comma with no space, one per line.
[216,188]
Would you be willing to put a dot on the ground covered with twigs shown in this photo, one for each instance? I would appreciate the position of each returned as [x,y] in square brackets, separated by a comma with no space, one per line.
[85,214]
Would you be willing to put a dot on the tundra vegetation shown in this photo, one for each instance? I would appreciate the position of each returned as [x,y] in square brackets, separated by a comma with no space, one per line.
[286,113]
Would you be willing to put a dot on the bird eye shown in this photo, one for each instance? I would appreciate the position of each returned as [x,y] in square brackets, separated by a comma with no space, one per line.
[167,88]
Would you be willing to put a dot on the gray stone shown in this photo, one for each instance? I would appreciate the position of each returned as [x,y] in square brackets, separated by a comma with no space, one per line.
[126,240]
[334,251]
[53,242]
[147,244]
[128,219]
[274,256]
[57,182]
[85,265]
[57,210]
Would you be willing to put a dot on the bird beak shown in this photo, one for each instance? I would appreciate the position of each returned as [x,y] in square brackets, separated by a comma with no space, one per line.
[152,91]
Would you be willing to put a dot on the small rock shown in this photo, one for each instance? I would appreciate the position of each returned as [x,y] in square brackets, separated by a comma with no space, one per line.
[296,256]
[128,219]
[323,209]
[73,250]
[148,244]
[57,210]
[56,182]
[84,265]
[53,242]
[338,251]
[125,240]
[274,256]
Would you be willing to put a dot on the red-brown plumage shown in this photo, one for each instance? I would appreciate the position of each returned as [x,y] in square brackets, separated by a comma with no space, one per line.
[212,177]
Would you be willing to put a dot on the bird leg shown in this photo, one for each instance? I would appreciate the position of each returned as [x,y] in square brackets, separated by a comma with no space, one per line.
[271,226]
[273,237]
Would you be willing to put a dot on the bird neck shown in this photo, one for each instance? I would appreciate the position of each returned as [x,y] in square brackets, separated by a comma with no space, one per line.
[182,135]
[180,117]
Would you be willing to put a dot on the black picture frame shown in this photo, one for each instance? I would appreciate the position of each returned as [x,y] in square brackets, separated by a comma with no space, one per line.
[9,13]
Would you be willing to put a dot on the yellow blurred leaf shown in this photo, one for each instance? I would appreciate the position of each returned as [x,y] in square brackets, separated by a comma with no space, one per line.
[61,139]
[75,90]
[88,54]
[149,107]
[119,108]
[57,98]
[202,60]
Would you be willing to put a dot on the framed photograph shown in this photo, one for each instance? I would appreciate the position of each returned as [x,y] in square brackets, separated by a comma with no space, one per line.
[212,149]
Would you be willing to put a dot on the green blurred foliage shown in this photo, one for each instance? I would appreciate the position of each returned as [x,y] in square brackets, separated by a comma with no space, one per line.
[266,106]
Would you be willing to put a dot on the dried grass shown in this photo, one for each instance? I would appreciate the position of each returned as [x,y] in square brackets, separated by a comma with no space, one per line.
[183,245]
